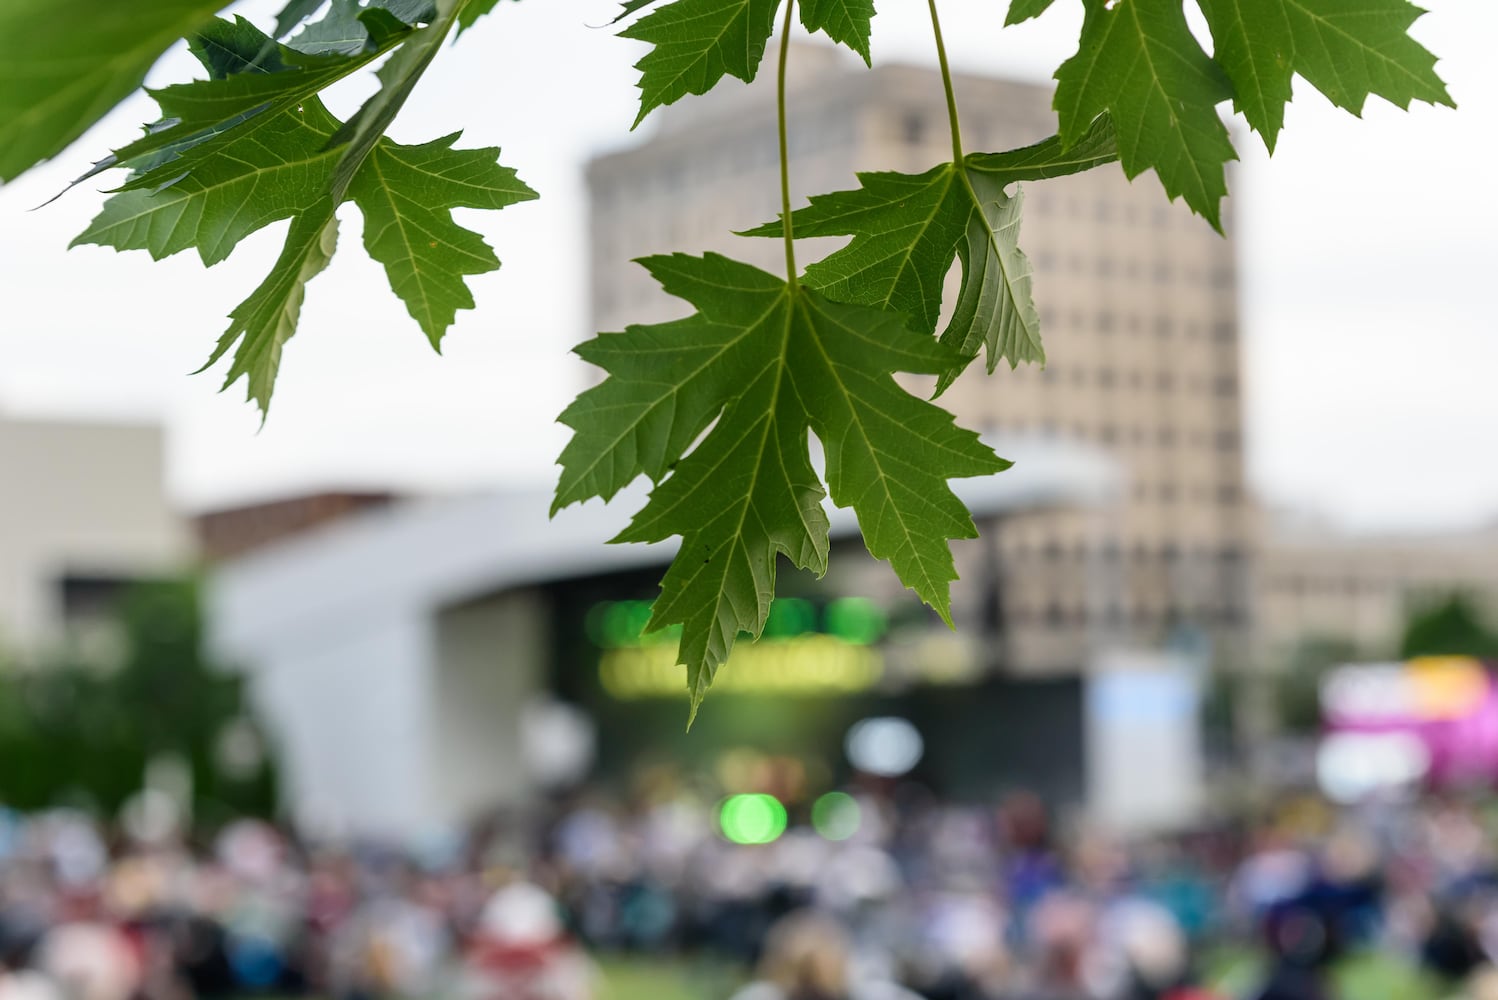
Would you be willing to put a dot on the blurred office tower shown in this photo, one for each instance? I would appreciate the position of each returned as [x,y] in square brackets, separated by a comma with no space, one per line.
[1138,304]
[83,512]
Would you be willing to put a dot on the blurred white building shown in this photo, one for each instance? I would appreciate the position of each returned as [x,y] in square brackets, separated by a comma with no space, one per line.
[400,655]
[83,510]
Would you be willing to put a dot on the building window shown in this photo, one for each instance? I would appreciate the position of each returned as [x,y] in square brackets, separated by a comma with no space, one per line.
[1105,378]
[1166,437]
[1227,440]
[1163,327]
[1105,322]
[1224,385]
[1225,330]
[914,128]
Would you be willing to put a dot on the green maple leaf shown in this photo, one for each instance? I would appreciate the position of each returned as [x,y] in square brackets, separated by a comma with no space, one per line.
[343,30]
[629,8]
[698,42]
[407,194]
[848,22]
[1137,60]
[472,11]
[1023,10]
[280,165]
[1347,49]
[398,78]
[261,325]
[908,228]
[248,76]
[763,363]
[64,63]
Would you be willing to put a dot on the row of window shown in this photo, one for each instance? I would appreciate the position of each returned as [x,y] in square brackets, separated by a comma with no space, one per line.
[1224,385]
[1224,494]
[1112,553]
[1165,436]
[1107,321]
[1161,272]
[1057,615]
[1295,585]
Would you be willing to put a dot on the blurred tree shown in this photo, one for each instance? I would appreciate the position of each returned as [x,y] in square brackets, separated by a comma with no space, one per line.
[1297,693]
[1449,626]
[81,733]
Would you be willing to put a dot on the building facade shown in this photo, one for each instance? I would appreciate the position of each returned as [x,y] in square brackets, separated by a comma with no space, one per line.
[1316,582]
[83,511]
[1139,314]
[403,702]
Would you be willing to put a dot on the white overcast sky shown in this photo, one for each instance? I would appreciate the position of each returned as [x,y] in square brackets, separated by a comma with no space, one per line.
[1369,254]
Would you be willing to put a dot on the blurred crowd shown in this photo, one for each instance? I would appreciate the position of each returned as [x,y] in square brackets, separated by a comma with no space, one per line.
[904,896]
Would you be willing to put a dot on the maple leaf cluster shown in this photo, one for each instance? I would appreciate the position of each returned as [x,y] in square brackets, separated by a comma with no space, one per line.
[766,361]
[718,410]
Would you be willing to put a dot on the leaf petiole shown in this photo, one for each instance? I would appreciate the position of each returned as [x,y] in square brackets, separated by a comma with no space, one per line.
[785,165]
[946,82]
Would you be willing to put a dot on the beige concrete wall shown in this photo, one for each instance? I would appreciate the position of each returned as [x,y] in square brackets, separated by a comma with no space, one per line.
[491,662]
[80,499]
[1318,583]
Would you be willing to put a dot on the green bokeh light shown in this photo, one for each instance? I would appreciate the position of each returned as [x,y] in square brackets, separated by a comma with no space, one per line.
[836,815]
[855,619]
[790,616]
[621,624]
[752,819]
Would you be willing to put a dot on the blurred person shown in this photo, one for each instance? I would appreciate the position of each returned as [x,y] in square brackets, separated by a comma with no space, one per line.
[1482,984]
[89,960]
[391,946]
[17,980]
[1302,947]
[808,956]
[521,951]
[1061,929]
[1032,867]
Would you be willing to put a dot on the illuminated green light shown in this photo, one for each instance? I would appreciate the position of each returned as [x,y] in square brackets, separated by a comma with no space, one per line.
[621,624]
[752,819]
[836,815]
[790,616]
[855,619]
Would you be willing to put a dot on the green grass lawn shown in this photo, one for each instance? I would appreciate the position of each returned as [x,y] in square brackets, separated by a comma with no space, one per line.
[1367,976]
[651,979]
